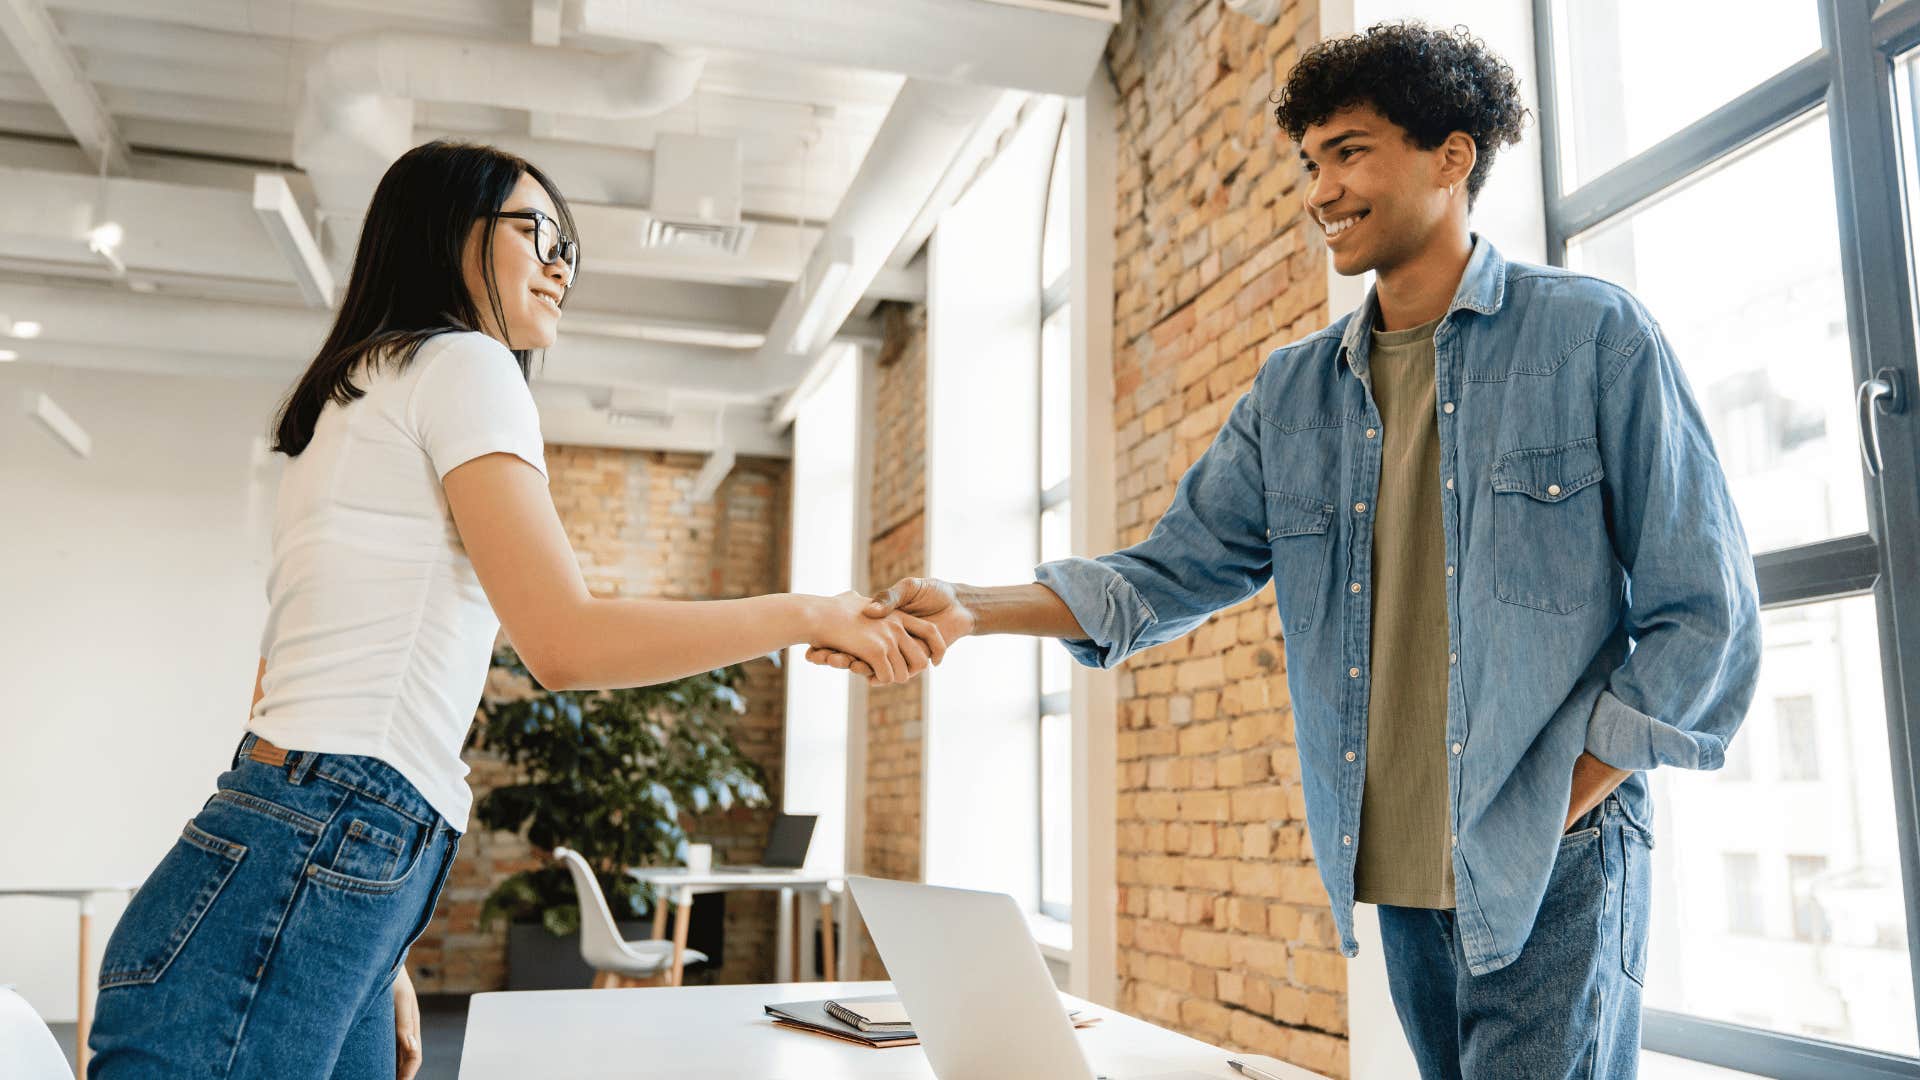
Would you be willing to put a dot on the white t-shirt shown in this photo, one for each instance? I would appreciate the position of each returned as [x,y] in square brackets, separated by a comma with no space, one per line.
[379,636]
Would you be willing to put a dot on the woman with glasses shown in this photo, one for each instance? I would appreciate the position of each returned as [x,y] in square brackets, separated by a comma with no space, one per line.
[413,522]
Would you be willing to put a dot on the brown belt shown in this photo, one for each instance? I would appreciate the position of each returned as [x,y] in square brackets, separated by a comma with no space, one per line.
[266,753]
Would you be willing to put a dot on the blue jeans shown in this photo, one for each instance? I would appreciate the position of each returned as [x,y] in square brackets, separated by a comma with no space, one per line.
[265,943]
[1570,1005]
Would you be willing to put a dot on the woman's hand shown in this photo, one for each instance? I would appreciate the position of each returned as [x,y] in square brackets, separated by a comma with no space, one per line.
[891,649]
[406,1027]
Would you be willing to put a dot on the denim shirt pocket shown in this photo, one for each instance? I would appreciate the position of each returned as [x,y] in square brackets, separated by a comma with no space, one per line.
[1550,546]
[1299,530]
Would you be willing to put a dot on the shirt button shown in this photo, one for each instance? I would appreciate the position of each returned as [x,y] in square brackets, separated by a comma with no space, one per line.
[1449,569]
[1359,508]
[1447,408]
[1553,489]
[1456,749]
[1349,755]
[1347,841]
[1453,658]
[1353,673]
[1456,839]
[1355,587]
[1449,483]
[1371,432]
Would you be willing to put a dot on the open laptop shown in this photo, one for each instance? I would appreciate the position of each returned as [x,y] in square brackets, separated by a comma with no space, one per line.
[973,982]
[787,843]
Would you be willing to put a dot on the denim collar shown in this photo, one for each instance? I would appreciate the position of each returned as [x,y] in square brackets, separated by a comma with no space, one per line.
[1483,288]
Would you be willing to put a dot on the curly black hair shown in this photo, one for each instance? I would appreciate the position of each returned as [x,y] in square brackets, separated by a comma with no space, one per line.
[1430,82]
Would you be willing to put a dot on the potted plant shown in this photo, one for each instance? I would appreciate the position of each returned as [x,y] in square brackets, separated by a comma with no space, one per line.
[610,774]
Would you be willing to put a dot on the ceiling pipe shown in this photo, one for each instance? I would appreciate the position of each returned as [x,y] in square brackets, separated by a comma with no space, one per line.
[357,113]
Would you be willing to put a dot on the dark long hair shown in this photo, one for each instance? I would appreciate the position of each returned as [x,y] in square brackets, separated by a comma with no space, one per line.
[407,284]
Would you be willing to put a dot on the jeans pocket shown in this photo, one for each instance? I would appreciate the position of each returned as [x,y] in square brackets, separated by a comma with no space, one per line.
[1550,546]
[374,849]
[1636,858]
[168,907]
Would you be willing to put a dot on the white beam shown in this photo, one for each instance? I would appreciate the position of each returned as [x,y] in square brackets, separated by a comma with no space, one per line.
[1053,51]
[927,126]
[27,26]
[112,329]
[576,423]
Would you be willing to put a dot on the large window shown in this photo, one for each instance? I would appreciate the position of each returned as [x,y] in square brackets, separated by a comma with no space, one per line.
[1742,173]
[1054,490]
[822,563]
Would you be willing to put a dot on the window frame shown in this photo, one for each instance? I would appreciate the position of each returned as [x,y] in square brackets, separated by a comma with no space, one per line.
[1055,295]
[1852,76]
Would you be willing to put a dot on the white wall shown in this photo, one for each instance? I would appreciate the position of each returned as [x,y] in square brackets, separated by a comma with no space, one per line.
[131,601]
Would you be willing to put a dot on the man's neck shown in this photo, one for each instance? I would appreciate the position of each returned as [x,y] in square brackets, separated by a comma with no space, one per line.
[1418,291]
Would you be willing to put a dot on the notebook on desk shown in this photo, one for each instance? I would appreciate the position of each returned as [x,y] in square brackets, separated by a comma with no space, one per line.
[813,1016]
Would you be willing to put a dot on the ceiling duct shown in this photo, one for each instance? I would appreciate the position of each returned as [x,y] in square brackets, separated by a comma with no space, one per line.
[357,115]
[696,194]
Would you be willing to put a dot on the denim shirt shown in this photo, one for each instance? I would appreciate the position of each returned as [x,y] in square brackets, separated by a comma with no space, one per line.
[1600,593]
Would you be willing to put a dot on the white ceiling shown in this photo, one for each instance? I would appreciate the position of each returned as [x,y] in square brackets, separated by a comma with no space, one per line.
[205,94]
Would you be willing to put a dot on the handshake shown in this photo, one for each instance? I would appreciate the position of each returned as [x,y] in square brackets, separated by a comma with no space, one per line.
[894,636]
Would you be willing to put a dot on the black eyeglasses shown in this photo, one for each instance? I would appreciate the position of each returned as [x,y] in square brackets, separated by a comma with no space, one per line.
[549,243]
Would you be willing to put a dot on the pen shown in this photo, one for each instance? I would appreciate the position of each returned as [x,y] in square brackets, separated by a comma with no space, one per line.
[1252,1072]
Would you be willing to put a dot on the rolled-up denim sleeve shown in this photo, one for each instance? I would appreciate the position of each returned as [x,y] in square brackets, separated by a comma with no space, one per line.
[1693,610]
[1208,551]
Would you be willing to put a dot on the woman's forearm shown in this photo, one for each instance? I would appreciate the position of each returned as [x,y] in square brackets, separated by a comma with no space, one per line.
[613,643]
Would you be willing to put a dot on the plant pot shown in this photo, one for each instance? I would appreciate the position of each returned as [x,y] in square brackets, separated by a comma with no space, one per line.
[536,960]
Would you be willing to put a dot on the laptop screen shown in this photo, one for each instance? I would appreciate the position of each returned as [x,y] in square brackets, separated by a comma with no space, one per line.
[788,839]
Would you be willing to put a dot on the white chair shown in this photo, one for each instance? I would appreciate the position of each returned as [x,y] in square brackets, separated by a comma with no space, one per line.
[25,1041]
[616,961]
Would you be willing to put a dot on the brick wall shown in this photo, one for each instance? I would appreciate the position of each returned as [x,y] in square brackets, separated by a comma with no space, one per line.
[636,533]
[899,549]
[1224,931]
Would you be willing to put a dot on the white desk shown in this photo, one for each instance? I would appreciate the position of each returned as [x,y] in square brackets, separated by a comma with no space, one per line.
[680,885]
[720,1033]
[83,895]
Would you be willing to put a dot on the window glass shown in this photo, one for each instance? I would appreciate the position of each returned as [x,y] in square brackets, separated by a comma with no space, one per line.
[1757,318]
[1632,72]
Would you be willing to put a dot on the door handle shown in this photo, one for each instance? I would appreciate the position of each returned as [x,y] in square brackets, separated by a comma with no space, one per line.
[1880,394]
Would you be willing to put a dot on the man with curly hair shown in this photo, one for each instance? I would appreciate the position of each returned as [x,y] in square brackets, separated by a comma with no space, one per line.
[1508,571]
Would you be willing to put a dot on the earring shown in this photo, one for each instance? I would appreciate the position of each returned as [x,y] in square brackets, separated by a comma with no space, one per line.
[1450,187]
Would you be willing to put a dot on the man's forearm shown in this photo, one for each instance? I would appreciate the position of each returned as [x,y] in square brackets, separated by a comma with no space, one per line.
[1031,609]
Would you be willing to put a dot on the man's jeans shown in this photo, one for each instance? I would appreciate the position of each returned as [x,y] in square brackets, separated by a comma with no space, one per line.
[265,943]
[1570,1005]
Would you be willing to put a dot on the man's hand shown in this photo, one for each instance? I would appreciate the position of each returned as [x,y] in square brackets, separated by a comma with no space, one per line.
[406,1027]
[1593,781]
[930,599]
[890,647]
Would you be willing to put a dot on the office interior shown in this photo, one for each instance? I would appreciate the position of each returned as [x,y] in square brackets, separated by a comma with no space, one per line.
[874,289]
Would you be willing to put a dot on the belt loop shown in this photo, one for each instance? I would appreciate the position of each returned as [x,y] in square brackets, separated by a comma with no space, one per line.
[247,740]
[303,764]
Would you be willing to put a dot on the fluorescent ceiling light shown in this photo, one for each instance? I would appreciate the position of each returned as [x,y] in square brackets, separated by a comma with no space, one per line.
[64,427]
[105,238]
[8,355]
[273,201]
[693,335]
[26,330]
[836,263]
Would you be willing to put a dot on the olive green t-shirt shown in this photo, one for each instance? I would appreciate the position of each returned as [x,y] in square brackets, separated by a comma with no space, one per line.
[1406,856]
